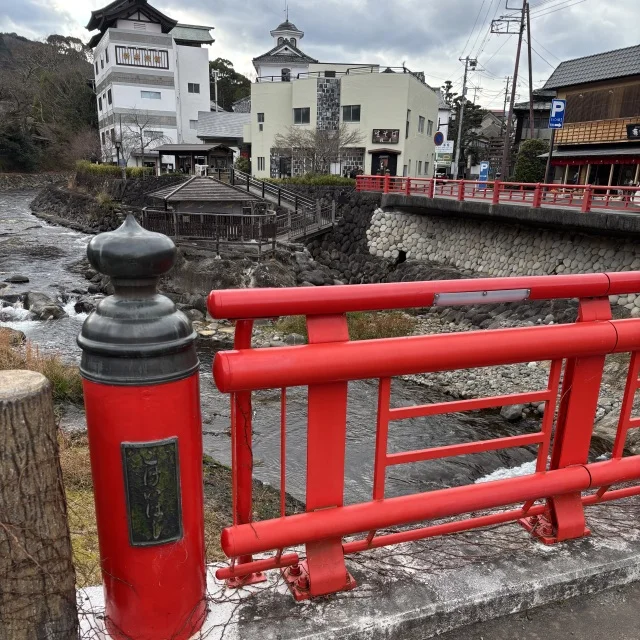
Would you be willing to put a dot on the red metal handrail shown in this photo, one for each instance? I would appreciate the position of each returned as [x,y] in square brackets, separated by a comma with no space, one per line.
[331,360]
[585,197]
[267,303]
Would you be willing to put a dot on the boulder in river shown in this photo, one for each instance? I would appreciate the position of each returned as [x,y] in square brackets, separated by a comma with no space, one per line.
[42,307]
[16,278]
[85,304]
[14,337]
[512,412]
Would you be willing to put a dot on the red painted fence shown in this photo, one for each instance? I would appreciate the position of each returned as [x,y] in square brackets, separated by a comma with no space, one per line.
[584,197]
[550,502]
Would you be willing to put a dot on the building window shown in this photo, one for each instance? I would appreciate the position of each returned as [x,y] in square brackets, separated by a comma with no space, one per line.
[193,124]
[101,62]
[260,126]
[151,95]
[406,133]
[97,68]
[113,136]
[99,103]
[351,113]
[329,74]
[285,75]
[193,87]
[420,124]
[409,173]
[261,164]
[419,168]
[404,170]
[106,55]
[293,41]
[302,115]
[140,57]
[280,40]
[426,167]
[261,117]
[109,100]
[429,127]
[104,138]
[154,135]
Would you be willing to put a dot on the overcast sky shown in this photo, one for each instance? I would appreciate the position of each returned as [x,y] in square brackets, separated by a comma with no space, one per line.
[426,35]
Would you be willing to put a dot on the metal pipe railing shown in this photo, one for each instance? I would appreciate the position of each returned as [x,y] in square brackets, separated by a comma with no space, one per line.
[267,303]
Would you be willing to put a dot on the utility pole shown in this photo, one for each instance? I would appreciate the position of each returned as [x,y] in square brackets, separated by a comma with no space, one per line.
[468,62]
[498,26]
[504,117]
[214,75]
[526,4]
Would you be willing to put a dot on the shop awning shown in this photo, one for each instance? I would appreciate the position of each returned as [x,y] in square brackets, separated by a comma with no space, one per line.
[593,153]
[392,151]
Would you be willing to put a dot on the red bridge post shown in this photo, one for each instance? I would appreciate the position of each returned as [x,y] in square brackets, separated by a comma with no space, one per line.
[141,391]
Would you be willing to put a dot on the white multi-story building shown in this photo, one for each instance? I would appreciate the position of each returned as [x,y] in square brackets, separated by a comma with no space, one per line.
[151,80]
[394,111]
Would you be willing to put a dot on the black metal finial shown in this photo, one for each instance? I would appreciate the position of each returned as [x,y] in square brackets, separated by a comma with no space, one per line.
[136,336]
[131,252]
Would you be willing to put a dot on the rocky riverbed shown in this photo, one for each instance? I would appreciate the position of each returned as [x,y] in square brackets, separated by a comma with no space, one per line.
[339,258]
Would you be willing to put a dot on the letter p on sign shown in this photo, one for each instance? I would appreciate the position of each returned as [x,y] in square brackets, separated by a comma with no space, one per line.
[556,119]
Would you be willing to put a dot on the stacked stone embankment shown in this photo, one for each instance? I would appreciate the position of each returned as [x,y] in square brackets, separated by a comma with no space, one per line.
[500,249]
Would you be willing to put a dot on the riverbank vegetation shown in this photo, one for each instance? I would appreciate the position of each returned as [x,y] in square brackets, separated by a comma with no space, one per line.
[362,325]
[49,116]
[65,379]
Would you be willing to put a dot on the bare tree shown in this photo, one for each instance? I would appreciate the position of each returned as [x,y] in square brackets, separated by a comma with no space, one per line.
[138,135]
[316,149]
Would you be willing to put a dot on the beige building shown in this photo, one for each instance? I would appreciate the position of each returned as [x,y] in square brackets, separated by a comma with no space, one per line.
[394,110]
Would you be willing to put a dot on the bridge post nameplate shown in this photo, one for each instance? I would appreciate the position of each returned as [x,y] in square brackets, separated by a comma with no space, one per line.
[152,487]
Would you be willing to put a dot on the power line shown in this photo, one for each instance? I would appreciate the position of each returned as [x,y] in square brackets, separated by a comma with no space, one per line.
[539,15]
[484,21]
[472,28]
[545,48]
[553,66]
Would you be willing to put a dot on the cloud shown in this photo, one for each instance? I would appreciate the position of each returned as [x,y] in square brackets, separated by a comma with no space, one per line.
[426,36]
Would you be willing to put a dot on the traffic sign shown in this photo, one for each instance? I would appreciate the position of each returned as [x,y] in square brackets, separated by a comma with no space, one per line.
[558,109]
[484,174]
[438,139]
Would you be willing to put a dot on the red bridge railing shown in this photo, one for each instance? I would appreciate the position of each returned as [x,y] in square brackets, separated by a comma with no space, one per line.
[563,480]
[584,197]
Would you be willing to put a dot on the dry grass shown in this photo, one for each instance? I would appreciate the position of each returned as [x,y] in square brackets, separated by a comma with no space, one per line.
[362,325]
[65,379]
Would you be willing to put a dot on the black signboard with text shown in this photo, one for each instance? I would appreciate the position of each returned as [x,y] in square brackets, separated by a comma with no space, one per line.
[633,131]
[386,136]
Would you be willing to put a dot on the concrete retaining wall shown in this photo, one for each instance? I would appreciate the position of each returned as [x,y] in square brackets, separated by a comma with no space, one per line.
[498,249]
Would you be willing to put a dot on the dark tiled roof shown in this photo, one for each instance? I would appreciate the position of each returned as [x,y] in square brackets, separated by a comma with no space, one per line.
[286,26]
[202,190]
[107,16]
[541,101]
[601,66]
[222,124]
[297,54]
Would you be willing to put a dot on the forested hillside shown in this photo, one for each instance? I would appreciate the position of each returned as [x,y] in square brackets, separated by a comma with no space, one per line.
[48,117]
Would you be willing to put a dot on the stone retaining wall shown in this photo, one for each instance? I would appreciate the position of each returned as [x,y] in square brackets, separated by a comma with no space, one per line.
[130,192]
[20,181]
[500,249]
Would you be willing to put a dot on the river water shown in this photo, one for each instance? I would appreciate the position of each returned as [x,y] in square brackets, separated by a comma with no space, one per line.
[44,253]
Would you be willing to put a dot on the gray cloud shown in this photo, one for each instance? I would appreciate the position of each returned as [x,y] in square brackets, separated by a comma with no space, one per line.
[427,36]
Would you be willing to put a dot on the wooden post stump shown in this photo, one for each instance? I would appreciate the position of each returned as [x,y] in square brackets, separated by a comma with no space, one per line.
[37,579]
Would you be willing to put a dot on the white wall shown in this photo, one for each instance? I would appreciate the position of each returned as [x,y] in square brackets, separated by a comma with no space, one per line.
[149,27]
[443,118]
[192,65]
[128,97]
[276,69]
[274,99]
[384,99]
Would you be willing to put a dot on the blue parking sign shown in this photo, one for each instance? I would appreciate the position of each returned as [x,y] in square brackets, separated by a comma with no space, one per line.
[558,109]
